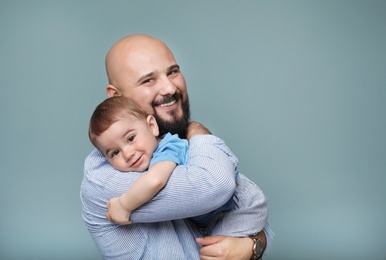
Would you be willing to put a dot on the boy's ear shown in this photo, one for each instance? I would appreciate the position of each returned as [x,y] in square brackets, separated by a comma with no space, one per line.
[152,123]
[112,91]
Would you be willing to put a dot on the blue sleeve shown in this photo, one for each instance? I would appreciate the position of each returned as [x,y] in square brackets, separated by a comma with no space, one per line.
[171,148]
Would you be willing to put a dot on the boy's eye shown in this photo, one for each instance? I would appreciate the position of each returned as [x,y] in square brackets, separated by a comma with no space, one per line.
[115,153]
[130,139]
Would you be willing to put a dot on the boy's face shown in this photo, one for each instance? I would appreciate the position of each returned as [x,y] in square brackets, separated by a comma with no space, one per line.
[129,143]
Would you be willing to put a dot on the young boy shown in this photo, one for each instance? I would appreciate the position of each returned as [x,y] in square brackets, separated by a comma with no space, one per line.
[128,138]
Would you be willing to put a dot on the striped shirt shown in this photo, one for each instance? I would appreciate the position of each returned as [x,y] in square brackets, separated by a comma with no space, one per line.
[160,230]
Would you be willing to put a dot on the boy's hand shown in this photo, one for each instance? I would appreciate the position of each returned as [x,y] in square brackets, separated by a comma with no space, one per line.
[117,213]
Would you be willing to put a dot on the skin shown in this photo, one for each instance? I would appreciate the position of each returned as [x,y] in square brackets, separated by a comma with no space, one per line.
[144,69]
[129,143]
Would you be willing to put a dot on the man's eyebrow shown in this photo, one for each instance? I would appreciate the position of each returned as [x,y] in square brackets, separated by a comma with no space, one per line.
[150,74]
[175,66]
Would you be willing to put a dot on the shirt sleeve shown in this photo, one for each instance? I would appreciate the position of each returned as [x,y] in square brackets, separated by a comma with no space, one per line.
[269,234]
[249,214]
[171,148]
[206,182]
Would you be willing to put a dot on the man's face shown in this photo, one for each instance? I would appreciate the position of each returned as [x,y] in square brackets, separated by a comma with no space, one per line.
[151,77]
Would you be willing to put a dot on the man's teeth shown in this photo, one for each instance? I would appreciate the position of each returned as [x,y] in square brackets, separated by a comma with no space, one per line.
[168,104]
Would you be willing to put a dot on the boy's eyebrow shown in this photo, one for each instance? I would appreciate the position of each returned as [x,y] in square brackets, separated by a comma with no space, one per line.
[126,132]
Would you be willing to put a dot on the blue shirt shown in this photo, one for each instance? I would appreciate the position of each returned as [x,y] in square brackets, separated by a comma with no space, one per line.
[170,148]
[160,231]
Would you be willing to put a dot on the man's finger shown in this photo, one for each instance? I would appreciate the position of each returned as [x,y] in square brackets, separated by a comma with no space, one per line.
[209,240]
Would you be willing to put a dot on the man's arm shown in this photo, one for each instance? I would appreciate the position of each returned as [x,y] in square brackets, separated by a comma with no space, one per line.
[249,216]
[231,247]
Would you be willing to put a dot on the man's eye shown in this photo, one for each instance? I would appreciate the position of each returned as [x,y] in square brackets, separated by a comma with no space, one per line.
[173,72]
[147,81]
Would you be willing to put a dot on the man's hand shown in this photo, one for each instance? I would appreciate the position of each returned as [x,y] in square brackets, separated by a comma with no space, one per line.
[195,128]
[224,247]
[117,212]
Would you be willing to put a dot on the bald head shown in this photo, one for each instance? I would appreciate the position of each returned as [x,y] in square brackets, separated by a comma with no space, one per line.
[143,69]
[132,48]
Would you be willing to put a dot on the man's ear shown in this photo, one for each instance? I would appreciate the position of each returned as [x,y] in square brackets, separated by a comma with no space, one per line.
[112,91]
[152,123]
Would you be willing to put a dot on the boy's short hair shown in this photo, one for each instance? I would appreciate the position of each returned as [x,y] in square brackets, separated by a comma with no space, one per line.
[110,111]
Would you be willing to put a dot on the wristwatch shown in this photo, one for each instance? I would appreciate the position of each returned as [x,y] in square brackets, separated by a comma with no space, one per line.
[257,250]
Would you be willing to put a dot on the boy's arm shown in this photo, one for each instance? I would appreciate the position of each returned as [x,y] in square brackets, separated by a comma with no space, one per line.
[171,151]
[143,189]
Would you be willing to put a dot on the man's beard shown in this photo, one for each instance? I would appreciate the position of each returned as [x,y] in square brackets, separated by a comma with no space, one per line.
[175,125]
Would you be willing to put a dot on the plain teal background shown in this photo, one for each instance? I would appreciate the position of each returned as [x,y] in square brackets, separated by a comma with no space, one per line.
[296,89]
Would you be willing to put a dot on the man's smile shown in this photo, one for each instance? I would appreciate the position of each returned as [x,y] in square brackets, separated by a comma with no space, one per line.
[168,104]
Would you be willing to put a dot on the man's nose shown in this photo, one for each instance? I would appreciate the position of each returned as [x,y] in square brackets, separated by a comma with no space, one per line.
[167,87]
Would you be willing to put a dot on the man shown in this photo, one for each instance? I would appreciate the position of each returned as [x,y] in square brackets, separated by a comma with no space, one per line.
[144,69]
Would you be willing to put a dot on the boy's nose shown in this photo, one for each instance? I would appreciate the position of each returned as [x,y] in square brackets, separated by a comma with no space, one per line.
[127,154]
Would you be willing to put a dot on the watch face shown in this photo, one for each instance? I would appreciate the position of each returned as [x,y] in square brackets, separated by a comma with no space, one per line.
[258,248]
